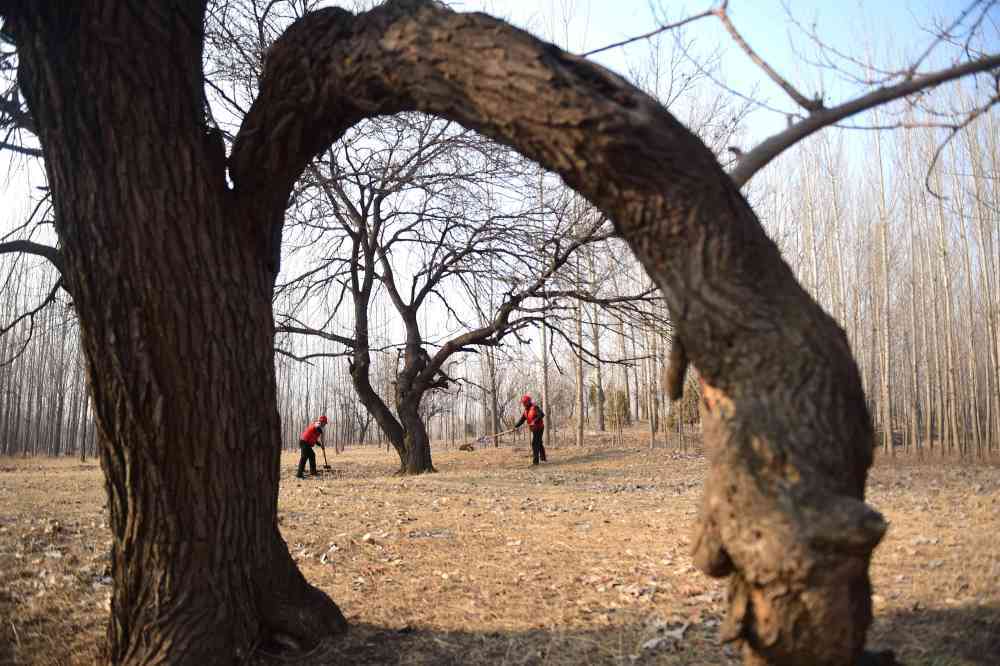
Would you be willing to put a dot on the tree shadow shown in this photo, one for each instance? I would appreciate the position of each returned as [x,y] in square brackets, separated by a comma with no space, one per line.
[595,455]
[960,636]
[621,644]
[964,636]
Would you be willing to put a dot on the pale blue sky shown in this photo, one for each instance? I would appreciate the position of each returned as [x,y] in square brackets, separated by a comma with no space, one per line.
[890,28]
[887,31]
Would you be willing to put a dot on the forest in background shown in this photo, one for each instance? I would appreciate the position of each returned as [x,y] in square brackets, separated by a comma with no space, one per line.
[912,278]
[904,257]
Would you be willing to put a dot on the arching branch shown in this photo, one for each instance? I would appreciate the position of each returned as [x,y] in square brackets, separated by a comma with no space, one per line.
[788,434]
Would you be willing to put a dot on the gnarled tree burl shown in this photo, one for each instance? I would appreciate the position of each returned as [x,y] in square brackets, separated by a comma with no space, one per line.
[172,271]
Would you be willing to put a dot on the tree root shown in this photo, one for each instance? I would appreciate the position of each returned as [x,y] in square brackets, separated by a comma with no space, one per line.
[295,616]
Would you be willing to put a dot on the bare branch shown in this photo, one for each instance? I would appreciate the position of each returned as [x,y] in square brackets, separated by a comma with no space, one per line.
[800,99]
[305,330]
[657,31]
[27,247]
[307,358]
[32,313]
[13,110]
[752,162]
[13,147]
[971,118]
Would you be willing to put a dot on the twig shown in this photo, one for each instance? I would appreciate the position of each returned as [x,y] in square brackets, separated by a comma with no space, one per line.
[759,157]
[800,99]
[951,135]
[653,33]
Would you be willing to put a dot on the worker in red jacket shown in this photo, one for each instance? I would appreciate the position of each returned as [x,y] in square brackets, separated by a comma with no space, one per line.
[535,418]
[310,437]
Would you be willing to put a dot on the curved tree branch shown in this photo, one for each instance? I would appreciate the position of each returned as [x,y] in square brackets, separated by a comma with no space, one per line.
[788,434]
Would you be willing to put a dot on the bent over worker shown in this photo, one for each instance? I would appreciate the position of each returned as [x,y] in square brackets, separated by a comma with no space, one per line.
[310,437]
[535,418]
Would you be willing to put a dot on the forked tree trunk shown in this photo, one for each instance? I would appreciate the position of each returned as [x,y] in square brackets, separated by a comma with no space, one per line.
[173,289]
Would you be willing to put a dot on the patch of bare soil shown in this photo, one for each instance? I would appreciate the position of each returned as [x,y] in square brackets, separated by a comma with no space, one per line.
[582,560]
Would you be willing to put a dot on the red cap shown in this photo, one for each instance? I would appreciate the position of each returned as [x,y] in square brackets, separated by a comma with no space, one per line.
[322,419]
[526,399]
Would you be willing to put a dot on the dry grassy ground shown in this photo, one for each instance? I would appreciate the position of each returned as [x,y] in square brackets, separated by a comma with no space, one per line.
[583,560]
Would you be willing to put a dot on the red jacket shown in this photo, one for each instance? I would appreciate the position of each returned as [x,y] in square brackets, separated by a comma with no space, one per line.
[312,434]
[535,418]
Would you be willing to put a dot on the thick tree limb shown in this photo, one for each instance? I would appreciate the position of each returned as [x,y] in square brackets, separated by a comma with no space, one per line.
[755,160]
[788,435]
[28,247]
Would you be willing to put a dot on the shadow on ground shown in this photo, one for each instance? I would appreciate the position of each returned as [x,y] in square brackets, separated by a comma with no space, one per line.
[961,636]
[371,645]
[966,636]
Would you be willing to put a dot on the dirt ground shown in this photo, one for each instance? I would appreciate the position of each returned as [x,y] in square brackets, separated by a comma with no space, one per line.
[583,560]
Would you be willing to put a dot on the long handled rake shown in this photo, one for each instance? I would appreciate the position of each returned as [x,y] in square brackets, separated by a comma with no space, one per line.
[486,438]
[326,465]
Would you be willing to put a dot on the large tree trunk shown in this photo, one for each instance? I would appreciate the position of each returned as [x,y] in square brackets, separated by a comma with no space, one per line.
[173,290]
[418,447]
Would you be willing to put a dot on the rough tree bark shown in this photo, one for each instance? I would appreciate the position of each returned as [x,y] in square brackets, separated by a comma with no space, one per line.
[173,274]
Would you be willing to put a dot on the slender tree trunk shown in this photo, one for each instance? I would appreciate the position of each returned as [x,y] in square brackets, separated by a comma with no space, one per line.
[938,381]
[951,368]
[973,395]
[885,371]
[988,242]
[549,423]
[598,376]
[653,387]
[580,389]
[639,366]
[915,436]
[87,424]
[626,415]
